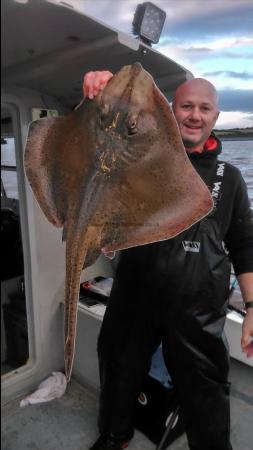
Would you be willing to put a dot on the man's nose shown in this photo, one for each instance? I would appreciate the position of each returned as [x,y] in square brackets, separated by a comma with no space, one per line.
[195,114]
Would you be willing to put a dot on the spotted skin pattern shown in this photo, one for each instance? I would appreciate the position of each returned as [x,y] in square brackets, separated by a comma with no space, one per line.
[114,174]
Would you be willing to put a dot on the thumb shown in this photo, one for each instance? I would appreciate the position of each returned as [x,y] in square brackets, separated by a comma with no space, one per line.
[246,338]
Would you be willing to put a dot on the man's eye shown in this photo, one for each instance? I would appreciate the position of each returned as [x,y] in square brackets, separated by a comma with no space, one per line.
[186,106]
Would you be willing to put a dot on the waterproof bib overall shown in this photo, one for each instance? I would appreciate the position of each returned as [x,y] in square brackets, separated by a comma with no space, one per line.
[172,292]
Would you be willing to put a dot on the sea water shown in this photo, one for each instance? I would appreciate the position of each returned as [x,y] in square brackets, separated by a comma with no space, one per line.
[240,154]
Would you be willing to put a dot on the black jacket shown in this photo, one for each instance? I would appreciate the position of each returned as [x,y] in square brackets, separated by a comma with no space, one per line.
[233,212]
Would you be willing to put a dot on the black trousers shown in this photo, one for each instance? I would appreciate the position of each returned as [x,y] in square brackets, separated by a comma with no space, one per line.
[195,353]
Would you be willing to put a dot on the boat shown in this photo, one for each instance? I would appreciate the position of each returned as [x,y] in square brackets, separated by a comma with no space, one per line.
[47,48]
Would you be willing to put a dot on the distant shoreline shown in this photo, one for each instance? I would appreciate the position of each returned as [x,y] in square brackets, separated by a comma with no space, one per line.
[234,138]
[235,134]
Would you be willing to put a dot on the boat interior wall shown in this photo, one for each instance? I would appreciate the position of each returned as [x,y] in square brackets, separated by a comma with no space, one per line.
[48,47]
[14,308]
[85,369]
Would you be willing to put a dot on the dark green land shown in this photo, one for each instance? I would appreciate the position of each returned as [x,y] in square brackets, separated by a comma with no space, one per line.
[235,133]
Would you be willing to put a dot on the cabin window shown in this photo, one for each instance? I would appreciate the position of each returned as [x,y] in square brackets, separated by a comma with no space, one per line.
[14,342]
[8,168]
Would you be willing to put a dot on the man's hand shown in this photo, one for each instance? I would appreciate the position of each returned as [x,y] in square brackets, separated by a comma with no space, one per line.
[247,334]
[94,82]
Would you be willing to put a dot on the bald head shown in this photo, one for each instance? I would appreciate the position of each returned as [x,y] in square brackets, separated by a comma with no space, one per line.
[195,106]
[199,85]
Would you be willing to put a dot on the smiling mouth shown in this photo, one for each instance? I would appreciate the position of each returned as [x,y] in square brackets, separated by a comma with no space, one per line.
[192,127]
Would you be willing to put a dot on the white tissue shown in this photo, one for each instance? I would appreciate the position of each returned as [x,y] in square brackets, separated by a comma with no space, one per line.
[51,388]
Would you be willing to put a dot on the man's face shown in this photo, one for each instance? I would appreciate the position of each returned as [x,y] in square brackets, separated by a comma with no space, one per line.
[196,111]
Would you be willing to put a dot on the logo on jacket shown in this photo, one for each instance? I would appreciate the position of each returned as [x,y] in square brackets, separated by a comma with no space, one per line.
[216,189]
[191,246]
[220,169]
[217,184]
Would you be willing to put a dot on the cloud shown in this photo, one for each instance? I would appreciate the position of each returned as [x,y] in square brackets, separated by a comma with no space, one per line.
[233,119]
[208,53]
[214,48]
[197,19]
[212,56]
[233,55]
[117,14]
[230,74]
[186,19]
[220,44]
[236,100]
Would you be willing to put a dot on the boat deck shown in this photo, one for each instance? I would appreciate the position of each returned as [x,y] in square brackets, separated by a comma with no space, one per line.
[70,422]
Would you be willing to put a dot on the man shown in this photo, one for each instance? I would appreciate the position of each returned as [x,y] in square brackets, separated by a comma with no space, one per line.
[165,292]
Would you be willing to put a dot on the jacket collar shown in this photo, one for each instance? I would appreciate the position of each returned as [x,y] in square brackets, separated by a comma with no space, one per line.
[212,148]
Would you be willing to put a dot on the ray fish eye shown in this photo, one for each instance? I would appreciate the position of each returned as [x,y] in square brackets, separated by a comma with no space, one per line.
[132,126]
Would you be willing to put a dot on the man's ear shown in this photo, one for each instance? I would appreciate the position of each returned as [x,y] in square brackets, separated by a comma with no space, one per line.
[217,115]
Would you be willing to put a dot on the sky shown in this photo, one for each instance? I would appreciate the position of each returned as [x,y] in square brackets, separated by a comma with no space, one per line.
[211,38]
